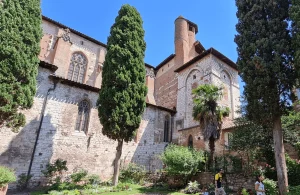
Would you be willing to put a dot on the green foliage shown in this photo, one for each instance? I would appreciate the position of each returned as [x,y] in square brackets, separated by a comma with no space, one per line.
[270,187]
[65,192]
[94,179]
[55,170]
[20,35]
[244,191]
[121,99]
[192,188]
[248,136]
[291,127]
[294,190]
[22,179]
[6,176]
[264,58]
[79,176]
[209,114]
[295,17]
[180,160]
[293,167]
[133,174]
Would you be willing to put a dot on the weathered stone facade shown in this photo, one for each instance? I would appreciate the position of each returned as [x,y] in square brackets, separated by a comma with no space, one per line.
[70,73]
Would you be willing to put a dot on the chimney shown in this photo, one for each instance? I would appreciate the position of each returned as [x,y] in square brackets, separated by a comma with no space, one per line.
[185,32]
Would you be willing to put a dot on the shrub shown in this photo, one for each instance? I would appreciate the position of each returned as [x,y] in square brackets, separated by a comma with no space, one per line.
[294,190]
[244,192]
[293,167]
[55,170]
[133,174]
[192,188]
[94,179]
[270,187]
[6,176]
[79,176]
[22,179]
[182,161]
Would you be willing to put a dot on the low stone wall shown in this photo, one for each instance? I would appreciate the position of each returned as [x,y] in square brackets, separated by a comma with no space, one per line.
[232,181]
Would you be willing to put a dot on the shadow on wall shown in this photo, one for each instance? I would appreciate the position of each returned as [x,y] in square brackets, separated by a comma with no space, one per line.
[150,142]
[18,154]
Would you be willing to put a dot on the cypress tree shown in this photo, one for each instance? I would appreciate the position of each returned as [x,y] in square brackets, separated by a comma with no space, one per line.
[20,34]
[265,64]
[121,99]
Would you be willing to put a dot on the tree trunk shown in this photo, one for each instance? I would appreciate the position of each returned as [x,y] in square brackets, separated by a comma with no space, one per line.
[212,151]
[117,163]
[280,156]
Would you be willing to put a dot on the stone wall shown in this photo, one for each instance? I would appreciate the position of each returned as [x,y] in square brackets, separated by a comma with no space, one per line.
[232,181]
[89,150]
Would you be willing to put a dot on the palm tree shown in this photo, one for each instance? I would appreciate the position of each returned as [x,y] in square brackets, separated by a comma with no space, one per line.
[209,114]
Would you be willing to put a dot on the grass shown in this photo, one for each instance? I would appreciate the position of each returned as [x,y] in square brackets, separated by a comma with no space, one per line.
[135,189]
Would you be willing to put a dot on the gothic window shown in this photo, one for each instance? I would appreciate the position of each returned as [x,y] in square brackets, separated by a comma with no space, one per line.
[190,142]
[83,116]
[77,67]
[166,129]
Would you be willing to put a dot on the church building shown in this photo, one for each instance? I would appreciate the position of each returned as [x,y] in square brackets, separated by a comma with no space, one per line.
[63,122]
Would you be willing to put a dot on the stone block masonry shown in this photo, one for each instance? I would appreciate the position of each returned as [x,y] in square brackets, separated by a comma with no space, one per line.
[58,139]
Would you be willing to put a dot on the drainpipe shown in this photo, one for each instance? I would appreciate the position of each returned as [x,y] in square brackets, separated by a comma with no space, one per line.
[39,130]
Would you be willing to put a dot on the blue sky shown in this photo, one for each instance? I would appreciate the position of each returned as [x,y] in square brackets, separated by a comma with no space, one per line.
[216,20]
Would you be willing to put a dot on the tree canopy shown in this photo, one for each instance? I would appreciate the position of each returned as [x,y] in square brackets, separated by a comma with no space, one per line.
[122,96]
[20,35]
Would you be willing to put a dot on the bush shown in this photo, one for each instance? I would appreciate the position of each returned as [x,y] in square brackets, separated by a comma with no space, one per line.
[78,176]
[22,179]
[55,170]
[192,188]
[182,161]
[294,190]
[270,187]
[133,174]
[293,167]
[94,179]
[244,192]
[6,176]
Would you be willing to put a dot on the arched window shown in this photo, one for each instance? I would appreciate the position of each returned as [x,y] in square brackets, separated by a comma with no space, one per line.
[190,142]
[77,67]
[166,129]
[83,116]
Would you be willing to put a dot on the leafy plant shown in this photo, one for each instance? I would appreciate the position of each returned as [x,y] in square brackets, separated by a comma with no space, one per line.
[79,176]
[293,171]
[244,191]
[133,173]
[294,190]
[22,179]
[55,170]
[94,179]
[6,176]
[270,187]
[192,188]
[183,161]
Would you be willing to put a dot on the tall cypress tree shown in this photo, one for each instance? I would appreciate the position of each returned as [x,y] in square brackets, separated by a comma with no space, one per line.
[264,62]
[121,99]
[20,34]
